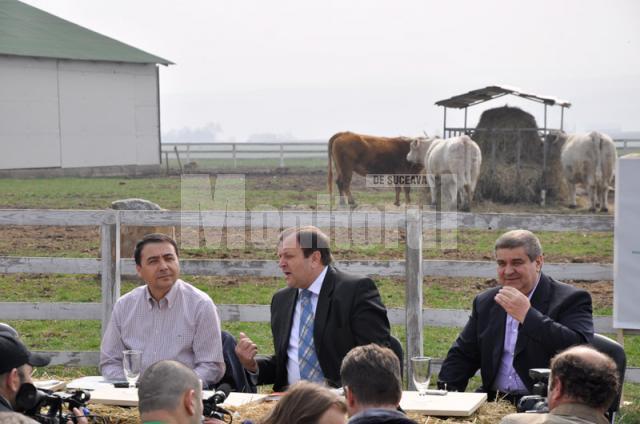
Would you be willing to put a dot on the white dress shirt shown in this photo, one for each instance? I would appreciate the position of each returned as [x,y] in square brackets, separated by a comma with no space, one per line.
[293,370]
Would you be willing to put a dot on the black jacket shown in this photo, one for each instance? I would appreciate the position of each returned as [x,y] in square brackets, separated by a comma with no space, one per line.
[349,313]
[560,316]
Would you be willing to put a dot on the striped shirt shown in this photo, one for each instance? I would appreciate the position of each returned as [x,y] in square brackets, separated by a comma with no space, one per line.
[183,326]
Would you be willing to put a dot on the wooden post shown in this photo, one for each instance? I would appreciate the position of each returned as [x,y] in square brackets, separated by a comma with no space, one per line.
[281,155]
[413,290]
[233,154]
[175,149]
[110,259]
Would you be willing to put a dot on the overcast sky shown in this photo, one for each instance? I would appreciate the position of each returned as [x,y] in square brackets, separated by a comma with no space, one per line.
[313,68]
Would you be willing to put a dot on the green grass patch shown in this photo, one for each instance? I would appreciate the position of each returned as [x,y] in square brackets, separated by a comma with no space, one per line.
[53,288]
[63,335]
[248,164]
[86,193]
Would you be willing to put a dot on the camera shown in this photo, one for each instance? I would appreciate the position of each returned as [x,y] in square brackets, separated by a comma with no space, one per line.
[537,402]
[46,407]
[210,405]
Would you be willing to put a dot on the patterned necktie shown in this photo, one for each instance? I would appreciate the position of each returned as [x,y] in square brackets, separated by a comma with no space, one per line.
[307,360]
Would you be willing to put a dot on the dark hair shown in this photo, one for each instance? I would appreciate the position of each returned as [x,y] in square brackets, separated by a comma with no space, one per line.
[310,239]
[520,238]
[588,376]
[162,385]
[304,403]
[152,238]
[372,373]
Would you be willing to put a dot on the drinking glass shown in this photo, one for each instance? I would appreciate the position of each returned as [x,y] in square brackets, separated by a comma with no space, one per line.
[132,364]
[421,366]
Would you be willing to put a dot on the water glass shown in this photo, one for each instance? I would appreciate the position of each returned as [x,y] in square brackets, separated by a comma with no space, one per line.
[132,364]
[421,367]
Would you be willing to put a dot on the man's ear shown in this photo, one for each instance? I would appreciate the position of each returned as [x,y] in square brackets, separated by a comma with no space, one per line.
[317,257]
[555,391]
[189,400]
[348,395]
[13,380]
[539,263]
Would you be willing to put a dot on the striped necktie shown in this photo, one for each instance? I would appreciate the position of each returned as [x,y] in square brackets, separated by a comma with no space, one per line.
[307,359]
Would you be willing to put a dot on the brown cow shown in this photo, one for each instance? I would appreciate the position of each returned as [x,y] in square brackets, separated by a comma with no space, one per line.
[366,154]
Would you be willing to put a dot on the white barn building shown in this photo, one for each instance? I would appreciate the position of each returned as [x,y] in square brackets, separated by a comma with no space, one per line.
[72,101]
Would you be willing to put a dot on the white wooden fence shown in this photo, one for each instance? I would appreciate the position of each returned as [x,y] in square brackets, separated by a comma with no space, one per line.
[284,150]
[111,267]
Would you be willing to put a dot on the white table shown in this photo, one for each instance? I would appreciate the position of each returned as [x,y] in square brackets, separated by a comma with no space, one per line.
[103,392]
[452,404]
[455,404]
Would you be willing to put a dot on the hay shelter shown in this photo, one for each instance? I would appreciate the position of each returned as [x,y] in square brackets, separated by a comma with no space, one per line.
[517,165]
[513,158]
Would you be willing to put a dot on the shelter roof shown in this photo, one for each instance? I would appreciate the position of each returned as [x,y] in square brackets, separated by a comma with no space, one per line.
[494,91]
[28,31]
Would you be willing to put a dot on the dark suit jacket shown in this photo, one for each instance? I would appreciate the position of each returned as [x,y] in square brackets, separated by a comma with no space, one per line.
[560,316]
[349,313]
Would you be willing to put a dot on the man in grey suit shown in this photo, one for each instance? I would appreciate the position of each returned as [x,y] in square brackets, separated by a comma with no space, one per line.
[582,385]
[318,318]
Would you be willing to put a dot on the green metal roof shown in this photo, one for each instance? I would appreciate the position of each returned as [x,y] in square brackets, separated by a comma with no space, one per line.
[28,31]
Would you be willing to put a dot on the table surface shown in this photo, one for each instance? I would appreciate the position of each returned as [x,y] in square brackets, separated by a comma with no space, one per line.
[451,404]
[454,404]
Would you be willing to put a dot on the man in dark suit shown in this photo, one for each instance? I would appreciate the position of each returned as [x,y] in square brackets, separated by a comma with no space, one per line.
[517,326]
[318,318]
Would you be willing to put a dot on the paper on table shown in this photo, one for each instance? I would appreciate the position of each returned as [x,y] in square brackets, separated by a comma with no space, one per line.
[53,385]
[452,404]
[129,397]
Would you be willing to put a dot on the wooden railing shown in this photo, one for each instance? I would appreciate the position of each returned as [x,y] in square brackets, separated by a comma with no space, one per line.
[413,269]
[282,151]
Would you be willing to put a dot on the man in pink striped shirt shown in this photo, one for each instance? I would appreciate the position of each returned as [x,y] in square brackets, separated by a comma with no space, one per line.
[167,318]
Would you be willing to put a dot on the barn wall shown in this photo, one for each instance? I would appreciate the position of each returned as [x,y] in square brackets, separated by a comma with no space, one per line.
[108,114]
[77,114]
[29,130]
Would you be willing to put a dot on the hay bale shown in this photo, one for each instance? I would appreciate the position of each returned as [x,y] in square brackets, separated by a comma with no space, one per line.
[512,158]
[129,235]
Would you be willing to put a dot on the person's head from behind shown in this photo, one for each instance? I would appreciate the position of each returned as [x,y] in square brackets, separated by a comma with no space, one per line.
[308,403]
[157,263]
[16,366]
[15,418]
[583,375]
[371,378]
[170,391]
[303,253]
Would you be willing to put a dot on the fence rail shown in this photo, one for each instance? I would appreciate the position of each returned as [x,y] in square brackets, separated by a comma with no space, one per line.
[111,267]
[292,149]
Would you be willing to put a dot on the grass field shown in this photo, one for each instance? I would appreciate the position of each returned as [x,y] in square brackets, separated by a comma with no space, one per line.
[285,191]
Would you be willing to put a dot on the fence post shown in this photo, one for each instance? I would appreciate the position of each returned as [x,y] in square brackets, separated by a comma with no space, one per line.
[110,259]
[233,153]
[281,156]
[413,290]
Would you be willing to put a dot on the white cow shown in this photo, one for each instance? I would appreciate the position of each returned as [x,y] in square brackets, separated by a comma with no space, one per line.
[588,159]
[456,161]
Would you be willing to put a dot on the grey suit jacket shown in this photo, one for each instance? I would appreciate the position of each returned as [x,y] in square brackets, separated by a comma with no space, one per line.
[568,413]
